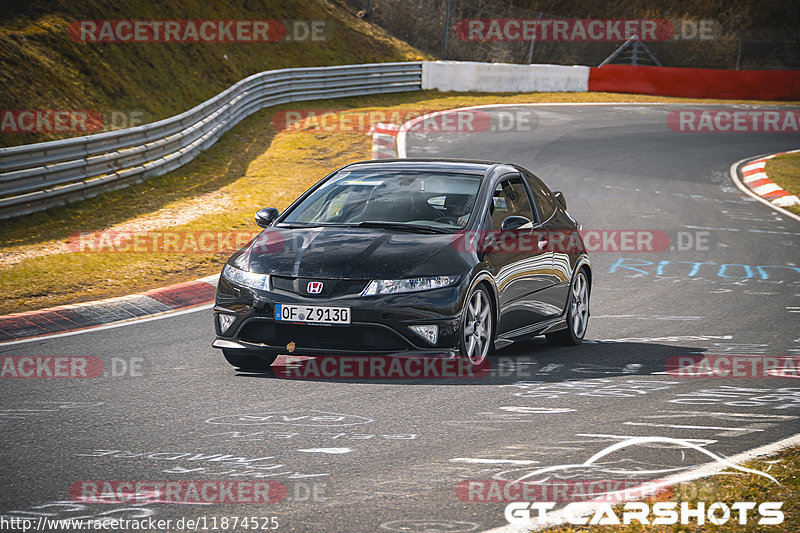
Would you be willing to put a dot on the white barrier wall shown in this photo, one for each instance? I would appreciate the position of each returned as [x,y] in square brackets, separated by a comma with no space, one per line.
[503,77]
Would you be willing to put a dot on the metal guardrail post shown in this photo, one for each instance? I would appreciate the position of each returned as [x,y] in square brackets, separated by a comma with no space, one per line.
[739,49]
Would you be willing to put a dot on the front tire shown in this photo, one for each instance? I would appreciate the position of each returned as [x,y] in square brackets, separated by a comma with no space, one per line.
[577,314]
[477,326]
[248,361]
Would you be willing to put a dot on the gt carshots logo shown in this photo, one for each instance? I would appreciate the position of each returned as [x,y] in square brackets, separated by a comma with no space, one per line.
[664,513]
[602,511]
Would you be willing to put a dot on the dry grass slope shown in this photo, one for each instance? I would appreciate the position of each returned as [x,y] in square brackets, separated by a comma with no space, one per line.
[42,68]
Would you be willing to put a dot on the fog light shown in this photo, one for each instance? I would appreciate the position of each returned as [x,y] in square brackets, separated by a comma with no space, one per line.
[429,332]
[225,321]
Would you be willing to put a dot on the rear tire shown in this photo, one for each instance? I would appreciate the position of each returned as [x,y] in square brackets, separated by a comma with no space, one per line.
[249,361]
[577,314]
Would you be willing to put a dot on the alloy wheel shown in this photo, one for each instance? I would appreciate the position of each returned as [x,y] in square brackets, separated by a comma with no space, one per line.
[477,331]
[579,305]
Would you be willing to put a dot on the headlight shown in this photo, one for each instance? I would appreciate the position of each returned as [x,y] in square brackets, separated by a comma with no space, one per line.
[392,286]
[248,279]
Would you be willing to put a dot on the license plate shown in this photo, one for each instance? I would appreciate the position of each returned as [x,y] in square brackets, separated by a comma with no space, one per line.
[312,314]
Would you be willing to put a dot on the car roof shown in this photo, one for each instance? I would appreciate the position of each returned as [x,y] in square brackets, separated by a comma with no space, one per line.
[452,165]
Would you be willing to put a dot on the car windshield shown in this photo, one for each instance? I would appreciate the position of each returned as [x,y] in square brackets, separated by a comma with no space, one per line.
[395,199]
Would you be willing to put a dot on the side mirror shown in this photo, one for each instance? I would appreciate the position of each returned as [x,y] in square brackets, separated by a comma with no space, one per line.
[514,222]
[265,217]
[560,197]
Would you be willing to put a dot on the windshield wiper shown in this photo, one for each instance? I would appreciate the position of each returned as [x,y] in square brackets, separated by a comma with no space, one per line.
[291,225]
[400,225]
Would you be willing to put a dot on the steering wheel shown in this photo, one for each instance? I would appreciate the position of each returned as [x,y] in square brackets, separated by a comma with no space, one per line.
[453,221]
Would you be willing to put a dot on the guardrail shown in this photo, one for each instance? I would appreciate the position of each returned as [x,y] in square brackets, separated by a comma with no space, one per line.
[34,177]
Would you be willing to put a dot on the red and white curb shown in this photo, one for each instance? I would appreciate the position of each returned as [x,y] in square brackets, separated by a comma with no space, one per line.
[756,179]
[79,317]
[384,140]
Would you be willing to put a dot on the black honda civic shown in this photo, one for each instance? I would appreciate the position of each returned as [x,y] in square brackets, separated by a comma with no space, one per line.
[407,257]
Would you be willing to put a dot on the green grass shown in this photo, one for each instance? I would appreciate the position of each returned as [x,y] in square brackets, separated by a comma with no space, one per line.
[784,466]
[785,171]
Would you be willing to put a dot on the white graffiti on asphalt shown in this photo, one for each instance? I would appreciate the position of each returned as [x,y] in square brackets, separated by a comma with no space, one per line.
[597,388]
[222,464]
[293,417]
[780,398]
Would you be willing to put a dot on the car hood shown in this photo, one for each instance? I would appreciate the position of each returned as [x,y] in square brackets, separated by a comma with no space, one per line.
[351,253]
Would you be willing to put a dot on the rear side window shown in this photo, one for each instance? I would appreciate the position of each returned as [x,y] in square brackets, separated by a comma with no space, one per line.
[510,199]
[541,196]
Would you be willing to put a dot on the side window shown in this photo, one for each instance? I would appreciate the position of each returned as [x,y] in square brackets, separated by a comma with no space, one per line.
[542,197]
[510,199]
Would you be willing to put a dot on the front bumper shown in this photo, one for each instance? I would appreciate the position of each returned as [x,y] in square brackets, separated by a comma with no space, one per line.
[379,324]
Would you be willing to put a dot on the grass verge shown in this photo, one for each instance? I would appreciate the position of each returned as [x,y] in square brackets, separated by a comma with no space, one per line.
[785,171]
[784,466]
[254,165]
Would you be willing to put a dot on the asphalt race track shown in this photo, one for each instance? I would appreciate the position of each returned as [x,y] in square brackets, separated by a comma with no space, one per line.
[387,455]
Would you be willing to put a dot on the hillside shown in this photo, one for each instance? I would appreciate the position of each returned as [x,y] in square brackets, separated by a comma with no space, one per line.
[770,30]
[42,68]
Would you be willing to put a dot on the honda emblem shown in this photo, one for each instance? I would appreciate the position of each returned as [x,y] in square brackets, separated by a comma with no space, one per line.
[314,287]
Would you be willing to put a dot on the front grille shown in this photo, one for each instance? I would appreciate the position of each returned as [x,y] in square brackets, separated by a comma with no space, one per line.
[331,288]
[355,337]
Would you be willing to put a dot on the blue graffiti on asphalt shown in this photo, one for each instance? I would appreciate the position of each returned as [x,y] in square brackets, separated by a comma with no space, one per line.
[726,270]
